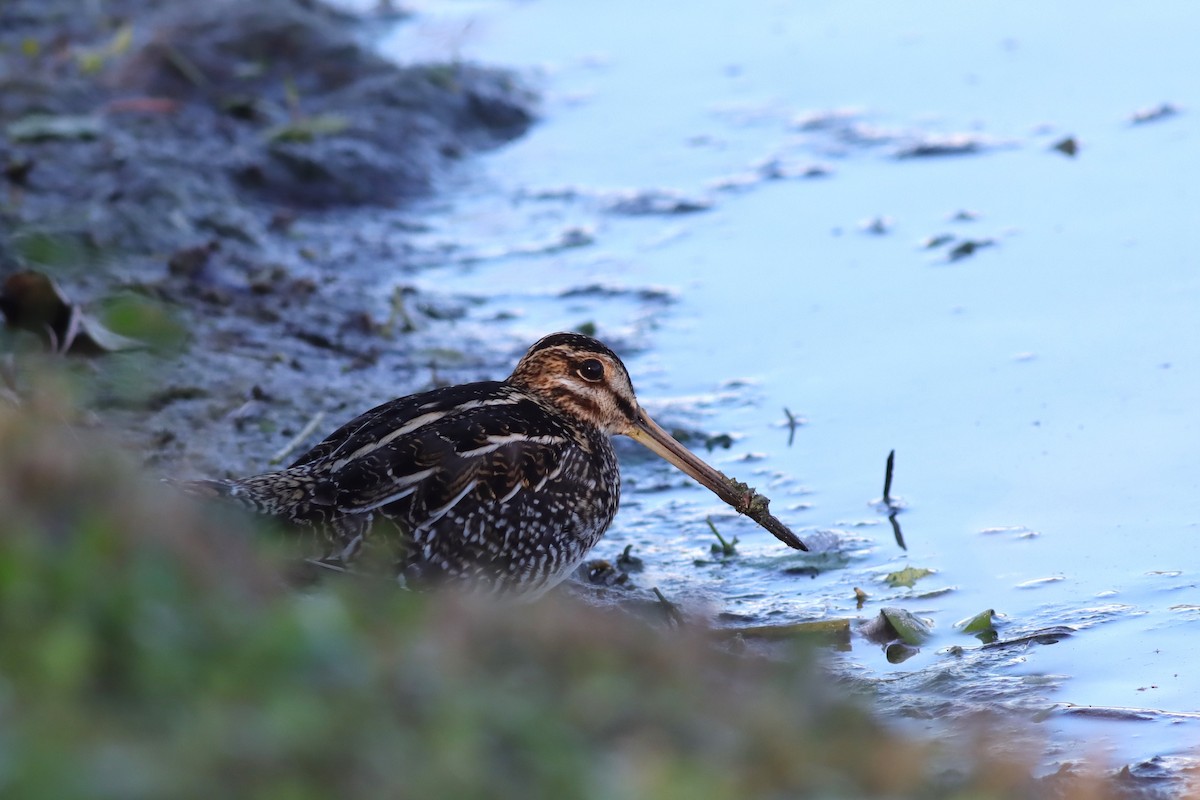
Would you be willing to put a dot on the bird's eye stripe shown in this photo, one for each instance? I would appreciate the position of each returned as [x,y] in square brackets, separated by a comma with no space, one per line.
[627,408]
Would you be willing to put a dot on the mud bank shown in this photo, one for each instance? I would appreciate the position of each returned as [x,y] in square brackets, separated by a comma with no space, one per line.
[207,166]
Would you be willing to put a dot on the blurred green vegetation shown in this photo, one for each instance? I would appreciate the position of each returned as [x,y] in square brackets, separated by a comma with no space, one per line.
[153,649]
[143,319]
[57,251]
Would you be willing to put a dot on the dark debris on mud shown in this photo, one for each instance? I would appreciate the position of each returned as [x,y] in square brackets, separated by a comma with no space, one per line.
[209,159]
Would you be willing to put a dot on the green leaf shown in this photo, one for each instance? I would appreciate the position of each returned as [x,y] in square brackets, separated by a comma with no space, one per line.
[308,129]
[896,625]
[140,319]
[907,576]
[47,127]
[56,251]
[909,628]
[899,652]
[92,60]
[980,623]
[833,631]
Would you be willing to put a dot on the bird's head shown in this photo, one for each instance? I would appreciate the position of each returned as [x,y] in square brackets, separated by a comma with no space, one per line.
[581,378]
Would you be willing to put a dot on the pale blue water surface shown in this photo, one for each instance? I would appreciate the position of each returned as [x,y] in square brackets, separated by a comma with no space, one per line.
[1042,394]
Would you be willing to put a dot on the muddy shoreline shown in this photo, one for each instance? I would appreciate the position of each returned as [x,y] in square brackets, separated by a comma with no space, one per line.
[199,176]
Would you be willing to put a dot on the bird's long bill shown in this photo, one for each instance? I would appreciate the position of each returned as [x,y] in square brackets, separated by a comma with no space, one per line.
[743,499]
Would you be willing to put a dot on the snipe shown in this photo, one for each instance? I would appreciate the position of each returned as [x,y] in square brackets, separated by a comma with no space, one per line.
[505,485]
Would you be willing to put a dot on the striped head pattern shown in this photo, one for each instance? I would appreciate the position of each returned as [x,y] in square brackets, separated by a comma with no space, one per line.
[582,378]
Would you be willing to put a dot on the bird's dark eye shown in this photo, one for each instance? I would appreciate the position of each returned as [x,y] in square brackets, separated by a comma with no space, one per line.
[591,370]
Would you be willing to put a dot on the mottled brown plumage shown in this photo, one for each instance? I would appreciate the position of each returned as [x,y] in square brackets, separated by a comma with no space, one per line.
[504,485]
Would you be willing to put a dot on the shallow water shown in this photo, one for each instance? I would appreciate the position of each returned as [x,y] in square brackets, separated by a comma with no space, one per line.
[1041,392]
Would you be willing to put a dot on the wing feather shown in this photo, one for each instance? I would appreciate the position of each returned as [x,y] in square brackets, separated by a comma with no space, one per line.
[375,425]
[421,472]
